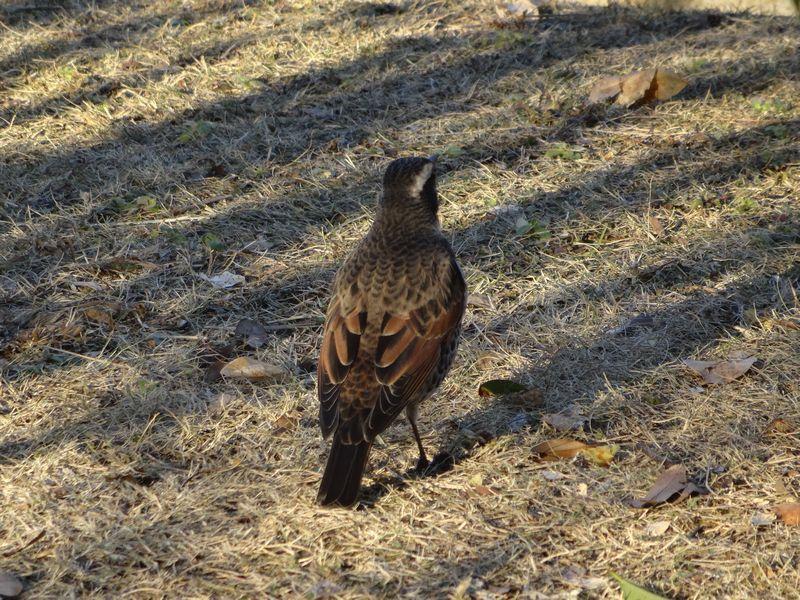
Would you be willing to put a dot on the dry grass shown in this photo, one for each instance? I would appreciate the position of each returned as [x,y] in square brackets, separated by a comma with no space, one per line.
[267,124]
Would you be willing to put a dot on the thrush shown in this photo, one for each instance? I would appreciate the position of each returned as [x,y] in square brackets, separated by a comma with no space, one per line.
[392,327]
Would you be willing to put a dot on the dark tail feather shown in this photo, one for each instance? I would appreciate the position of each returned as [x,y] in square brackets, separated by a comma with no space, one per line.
[342,479]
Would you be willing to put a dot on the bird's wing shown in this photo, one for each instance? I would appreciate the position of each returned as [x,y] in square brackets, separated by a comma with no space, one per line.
[408,351]
[410,348]
[340,341]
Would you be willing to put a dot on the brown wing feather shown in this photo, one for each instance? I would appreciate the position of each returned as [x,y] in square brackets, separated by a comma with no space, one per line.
[340,341]
[410,348]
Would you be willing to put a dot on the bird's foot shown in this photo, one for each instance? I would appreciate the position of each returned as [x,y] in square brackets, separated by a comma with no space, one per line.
[422,464]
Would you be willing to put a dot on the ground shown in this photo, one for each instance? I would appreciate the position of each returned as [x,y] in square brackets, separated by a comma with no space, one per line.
[148,144]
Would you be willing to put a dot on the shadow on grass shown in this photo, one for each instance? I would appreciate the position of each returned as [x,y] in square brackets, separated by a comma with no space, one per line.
[348,109]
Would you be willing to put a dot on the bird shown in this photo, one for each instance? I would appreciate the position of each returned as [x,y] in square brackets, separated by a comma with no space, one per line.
[392,327]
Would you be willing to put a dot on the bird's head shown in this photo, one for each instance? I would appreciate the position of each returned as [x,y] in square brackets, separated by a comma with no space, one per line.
[409,187]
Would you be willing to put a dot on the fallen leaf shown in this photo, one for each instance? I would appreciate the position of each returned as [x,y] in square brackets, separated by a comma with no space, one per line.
[761,519]
[656,528]
[10,585]
[558,448]
[499,387]
[565,422]
[655,226]
[576,576]
[566,448]
[254,334]
[600,455]
[551,475]
[223,280]
[248,368]
[770,324]
[720,371]
[779,426]
[482,490]
[607,88]
[672,485]
[285,423]
[214,359]
[637,88]
[480,301]
[99,315]
[218,405]
[631,591]
[789,512]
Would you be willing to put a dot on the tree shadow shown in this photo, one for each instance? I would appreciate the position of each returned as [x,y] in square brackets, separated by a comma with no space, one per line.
[395,98]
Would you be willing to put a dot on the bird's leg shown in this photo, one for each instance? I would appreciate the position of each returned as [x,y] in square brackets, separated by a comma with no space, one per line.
[411,413]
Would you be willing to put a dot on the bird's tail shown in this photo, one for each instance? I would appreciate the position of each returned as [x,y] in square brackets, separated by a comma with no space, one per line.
[343,472]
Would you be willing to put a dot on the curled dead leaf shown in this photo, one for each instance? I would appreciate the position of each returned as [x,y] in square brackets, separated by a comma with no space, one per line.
[788,512]
[566,448]
[607,88]
[637,88]
[672,485]
[720,371]
[558,448]
[251,369]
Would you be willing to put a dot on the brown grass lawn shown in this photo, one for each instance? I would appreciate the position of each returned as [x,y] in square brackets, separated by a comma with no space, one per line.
[144,144]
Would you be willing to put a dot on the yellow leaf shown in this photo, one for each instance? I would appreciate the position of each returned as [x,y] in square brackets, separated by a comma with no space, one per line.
[601,455]
[248,368]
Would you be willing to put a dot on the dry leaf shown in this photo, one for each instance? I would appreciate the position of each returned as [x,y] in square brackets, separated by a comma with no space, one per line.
[575,575]
[720,371]
[223,280]
[671,485]
[779,426]
[551,475]
[558,448]
[656,528]
[480,301]
[655,225]
[600,455]
[10,585]
[566,448]
[770,324]
[254,334]
[761,519]
[637,88]
[285,423]
[248,368]
[561,422]
[482,490]
[789,512]
[607,88]
[99,315]
[642,87]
